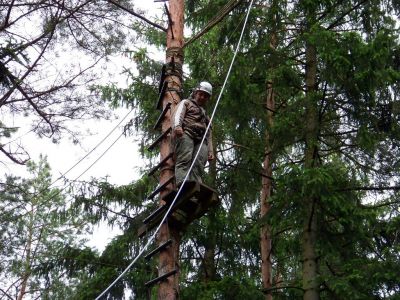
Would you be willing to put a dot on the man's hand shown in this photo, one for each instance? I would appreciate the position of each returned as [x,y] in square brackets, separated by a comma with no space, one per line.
[178,131]
[210,156]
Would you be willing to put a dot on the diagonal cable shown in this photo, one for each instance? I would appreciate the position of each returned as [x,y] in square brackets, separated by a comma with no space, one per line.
[191,167]
[91,151]
[41,191]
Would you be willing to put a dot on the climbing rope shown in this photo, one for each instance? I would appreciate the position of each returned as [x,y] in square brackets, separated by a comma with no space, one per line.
[191,166]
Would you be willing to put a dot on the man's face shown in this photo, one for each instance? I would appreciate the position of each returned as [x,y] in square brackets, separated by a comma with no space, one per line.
[201,97]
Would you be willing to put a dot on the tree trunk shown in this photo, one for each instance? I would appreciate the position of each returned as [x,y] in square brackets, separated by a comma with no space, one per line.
[169,258]
[208,264]
[265,234]
[265,238]
[27,263]
[310,263]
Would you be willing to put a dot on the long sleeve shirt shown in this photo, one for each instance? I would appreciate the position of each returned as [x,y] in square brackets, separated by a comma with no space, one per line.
[192,118]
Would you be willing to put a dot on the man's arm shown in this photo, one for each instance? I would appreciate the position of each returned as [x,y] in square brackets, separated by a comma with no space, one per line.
[178,117]
[210,145]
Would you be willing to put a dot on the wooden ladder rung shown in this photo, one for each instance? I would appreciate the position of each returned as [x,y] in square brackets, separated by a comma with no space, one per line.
[162,277]
[158,249]
[161,94]
[162,75]
[154,213]
[161,187]
[159,139]
[163,113]
[159,165]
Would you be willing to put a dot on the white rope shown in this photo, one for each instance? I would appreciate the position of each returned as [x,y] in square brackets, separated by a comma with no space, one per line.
[191,166]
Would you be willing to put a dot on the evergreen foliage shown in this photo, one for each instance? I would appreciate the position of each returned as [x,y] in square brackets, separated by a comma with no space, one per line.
[42,244]
[335,142]
[348,122]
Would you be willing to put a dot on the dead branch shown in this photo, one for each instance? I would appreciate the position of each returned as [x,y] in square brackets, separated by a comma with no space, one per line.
[128,10]
[12,157]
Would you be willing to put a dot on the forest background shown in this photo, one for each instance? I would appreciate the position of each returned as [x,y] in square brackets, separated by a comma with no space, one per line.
[306,136]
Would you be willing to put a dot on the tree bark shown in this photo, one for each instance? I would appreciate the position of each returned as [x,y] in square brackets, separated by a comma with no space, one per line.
[27,263]
[208,264]
[309,257]
[169,258]
[265,234]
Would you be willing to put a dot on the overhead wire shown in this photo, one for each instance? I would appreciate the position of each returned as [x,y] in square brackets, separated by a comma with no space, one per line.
[93,163]
[88,168]
[41,191]
[18,138]
[191,166]
[91,151]
[101,156]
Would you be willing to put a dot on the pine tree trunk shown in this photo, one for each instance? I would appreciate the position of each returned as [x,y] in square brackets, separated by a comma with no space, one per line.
[265,238]
[310,263]
[169,258]
[265,234]
[27,263]
[208,263]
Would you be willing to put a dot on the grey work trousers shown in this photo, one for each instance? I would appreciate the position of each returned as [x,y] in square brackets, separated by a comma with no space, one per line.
[185,151]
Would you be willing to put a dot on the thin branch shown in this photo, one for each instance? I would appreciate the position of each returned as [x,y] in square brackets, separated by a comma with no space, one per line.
[11,157]
[30,69]
[236,145]
[170,22]
[199,253]
[7,19]
[137,15]
[45,33]
[214,21]
[102,206]
[345,14]
[33,104]
[5,294]
[272,289]
[7,23]
[372,188]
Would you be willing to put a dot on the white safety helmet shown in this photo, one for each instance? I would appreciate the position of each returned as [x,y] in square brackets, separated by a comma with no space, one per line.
[205,87]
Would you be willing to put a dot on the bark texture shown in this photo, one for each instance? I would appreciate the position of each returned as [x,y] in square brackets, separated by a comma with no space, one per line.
[310,264]
[28,249]
[169,258]
[265,234]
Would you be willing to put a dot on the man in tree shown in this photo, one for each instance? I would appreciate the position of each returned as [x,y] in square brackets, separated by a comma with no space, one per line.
[189,124]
